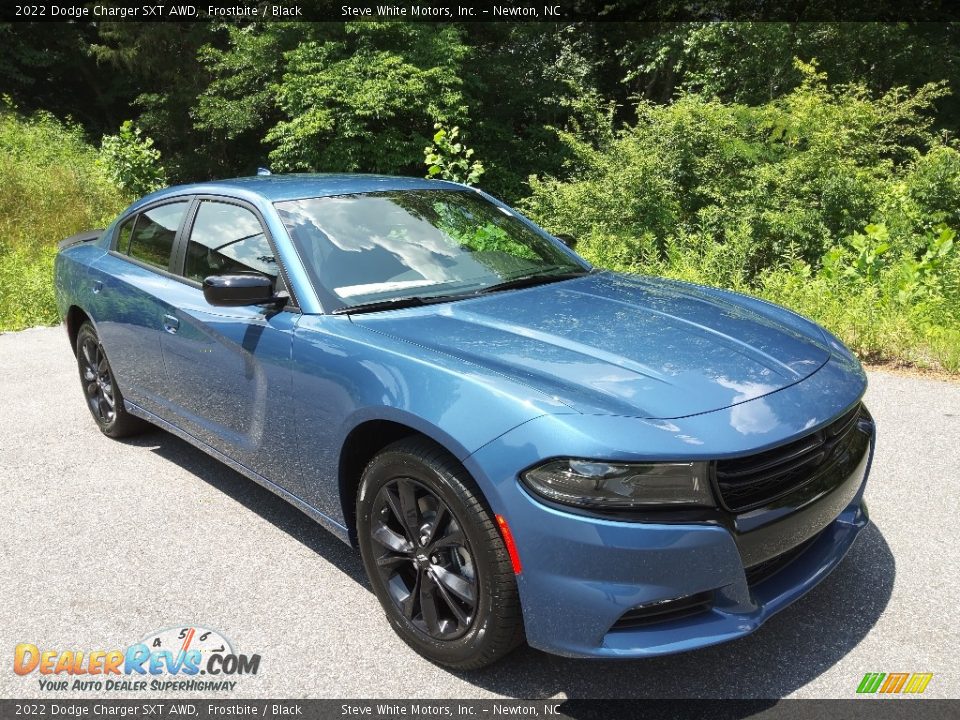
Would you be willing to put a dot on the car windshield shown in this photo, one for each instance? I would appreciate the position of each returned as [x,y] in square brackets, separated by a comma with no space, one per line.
[382,246]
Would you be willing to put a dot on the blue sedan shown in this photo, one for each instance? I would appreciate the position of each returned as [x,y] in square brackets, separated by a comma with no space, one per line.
[521,446]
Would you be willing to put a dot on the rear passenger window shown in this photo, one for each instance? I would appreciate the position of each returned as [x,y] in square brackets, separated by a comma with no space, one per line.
[123,237]
[152,237]
[227,239]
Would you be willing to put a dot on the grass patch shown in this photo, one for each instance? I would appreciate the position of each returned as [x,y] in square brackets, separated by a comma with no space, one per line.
[51,186]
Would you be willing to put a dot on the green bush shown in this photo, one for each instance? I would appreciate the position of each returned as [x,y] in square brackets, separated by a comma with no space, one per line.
[51,187]
[834,202]
[131,161]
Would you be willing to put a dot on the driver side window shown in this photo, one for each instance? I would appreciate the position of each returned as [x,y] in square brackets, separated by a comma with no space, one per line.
[227,239]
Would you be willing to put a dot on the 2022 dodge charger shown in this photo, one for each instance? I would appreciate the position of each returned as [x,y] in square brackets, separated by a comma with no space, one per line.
[521,446]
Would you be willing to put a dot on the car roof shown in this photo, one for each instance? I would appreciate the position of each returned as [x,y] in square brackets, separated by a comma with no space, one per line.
[275,188]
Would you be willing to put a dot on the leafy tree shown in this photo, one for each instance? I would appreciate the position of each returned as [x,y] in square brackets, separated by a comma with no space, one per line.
[157,65]
[526,81]
[237,107]
[51,66]
[360,101]
[752,62]
[449,159]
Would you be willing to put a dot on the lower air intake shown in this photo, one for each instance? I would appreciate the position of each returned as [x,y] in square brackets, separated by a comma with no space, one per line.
[664,611]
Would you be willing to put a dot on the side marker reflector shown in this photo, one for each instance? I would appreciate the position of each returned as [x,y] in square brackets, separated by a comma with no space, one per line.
[511,545]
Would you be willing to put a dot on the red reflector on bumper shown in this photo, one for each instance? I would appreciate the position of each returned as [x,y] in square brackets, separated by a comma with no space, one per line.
[511,545]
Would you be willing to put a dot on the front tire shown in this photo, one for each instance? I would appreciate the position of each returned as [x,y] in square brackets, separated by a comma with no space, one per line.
[435,557]
[104,400]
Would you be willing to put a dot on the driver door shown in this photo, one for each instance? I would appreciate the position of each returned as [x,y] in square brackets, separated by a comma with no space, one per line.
[229,367]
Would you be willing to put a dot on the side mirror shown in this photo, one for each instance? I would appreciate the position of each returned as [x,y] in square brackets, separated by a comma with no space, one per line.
[238,290]
[569,240]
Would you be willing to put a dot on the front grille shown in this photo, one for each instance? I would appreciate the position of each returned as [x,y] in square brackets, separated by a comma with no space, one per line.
[748,482]
[664,611]
[768,568]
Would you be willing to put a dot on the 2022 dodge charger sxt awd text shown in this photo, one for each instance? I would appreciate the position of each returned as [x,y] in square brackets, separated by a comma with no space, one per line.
[521,446]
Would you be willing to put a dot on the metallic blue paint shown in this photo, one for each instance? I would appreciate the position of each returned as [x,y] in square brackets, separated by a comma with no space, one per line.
[604,366]
[619,345]
[594,569]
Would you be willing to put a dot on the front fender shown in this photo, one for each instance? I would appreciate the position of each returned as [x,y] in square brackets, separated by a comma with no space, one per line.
[345,375]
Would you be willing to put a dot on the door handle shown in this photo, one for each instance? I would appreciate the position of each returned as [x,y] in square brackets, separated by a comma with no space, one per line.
[170,324]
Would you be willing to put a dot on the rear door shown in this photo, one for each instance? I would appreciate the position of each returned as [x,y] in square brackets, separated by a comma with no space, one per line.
[129,289]
[229,368]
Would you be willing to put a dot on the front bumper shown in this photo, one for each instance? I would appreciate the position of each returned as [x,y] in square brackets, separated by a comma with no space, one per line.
[582,573]
[738,609]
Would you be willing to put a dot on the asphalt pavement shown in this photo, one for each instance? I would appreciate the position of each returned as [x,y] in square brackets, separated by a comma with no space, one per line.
[103,542]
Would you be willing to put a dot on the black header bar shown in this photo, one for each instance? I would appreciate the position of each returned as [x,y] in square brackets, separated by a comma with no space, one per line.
[480,10]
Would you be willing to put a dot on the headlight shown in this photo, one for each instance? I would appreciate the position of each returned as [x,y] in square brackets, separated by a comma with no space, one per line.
[596,484]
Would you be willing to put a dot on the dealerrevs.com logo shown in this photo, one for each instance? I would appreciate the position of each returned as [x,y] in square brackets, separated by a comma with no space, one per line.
[181,658]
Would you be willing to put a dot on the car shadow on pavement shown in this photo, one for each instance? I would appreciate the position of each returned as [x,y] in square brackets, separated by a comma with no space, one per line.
[255,497]
[790,650]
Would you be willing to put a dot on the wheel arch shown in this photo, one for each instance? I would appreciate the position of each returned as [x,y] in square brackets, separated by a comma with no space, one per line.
[365,440]
[74,318]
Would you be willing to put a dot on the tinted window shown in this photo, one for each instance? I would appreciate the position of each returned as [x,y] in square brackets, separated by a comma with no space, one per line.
[227,239]
[152,238]
[123,238]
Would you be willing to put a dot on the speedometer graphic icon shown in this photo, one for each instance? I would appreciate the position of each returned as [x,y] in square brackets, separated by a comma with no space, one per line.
[186,638]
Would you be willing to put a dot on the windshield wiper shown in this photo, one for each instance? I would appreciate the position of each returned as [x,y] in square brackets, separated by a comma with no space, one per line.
[395,303]
[419,300]
[531,280]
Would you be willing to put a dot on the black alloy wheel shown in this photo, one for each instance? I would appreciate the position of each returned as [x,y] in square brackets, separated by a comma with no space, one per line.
[424,559]
[97,380]
[435,557]
[100,389]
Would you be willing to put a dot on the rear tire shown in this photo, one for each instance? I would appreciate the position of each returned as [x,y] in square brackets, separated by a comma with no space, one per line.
[435,557]
[104,400]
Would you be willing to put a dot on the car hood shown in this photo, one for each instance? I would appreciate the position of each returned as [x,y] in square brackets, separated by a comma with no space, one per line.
[608,343]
